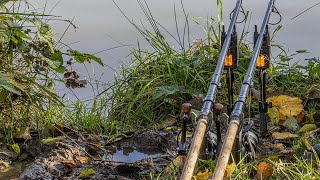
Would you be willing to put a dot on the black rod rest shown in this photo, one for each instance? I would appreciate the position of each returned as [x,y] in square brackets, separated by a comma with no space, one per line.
[182,146]
[263,104]
[233,50]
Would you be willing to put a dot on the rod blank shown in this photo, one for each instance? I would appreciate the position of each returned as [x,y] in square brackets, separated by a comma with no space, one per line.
[240,103]
[200,131]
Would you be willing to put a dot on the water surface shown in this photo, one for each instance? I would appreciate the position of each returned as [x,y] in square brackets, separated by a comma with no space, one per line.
[100,25]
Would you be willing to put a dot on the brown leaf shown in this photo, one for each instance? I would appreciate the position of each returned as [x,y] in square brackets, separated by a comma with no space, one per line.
[24,133]
[264,171]
[277,146]
[283,135]
[72,163]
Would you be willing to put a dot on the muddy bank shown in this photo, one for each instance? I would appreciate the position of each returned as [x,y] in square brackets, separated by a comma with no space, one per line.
[72,159]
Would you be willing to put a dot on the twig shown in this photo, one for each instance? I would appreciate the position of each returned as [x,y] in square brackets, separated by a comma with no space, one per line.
[76,143]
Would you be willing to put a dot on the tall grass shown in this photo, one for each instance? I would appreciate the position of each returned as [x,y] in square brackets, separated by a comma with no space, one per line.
[30,66]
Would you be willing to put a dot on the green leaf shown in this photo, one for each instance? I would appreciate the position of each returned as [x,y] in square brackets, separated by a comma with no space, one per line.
[307,128]
[83,57]
[163,91]
[302,51]
[44,33]
[291,123]
[56,60]
[22,35]
[50,141]
[7,84]
[60,69]
[86,173]
[16,148]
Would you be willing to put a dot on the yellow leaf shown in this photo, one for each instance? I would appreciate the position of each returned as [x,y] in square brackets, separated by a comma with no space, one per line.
[86,173]
[16,148]
[283,135]
[203,175]
[287,106]
[230,169]
[176,163]
[84,159]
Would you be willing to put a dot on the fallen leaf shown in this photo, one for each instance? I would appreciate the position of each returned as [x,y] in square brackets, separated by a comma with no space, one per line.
[84,159]
[277,146]
[24,133]
[274,115]
[86,173]
[287,106]
[283,135]
[306,142]
[8,153]
[93,138]
[291,123]
[4,166]
[50,141]
[16,148]
[203,175]
[310,133]
[176,163]
[307,128]
[264,170]
[230,169]
[310,118]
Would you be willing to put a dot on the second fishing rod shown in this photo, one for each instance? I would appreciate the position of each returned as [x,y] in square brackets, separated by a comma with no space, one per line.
[209,101]
[232,141]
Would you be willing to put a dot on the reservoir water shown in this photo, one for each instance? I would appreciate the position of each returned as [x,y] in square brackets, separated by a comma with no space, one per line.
[101,26]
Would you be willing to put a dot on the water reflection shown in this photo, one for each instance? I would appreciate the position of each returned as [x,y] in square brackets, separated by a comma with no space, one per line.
[130,157]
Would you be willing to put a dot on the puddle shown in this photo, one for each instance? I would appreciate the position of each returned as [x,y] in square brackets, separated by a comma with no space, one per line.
[131,157]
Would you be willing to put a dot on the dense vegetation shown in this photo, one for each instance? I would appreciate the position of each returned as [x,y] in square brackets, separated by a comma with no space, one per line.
[31,64]
[151,89]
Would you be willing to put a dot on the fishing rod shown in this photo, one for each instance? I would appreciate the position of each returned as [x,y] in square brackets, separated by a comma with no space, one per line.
[209,101]
[232,140]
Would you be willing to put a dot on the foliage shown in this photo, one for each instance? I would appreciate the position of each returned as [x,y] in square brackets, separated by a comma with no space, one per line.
[30,65]
[157,82]
[294,77]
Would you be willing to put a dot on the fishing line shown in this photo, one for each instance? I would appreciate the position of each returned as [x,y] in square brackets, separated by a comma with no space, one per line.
[275,10]
[305,11]
[242,11]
